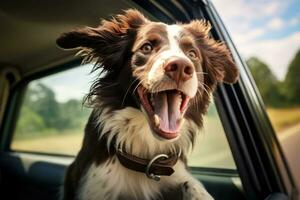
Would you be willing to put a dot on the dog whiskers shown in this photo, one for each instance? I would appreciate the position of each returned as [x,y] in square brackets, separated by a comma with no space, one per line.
[136,87]
[128,91]
[202,85]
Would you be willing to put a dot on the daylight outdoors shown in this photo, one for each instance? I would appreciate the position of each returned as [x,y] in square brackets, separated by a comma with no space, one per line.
[267,35]
[53,116]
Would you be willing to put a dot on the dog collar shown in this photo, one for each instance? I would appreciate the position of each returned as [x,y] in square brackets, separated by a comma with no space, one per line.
[160,165]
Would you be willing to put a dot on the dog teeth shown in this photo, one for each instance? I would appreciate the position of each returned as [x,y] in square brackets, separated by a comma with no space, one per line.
[156,120]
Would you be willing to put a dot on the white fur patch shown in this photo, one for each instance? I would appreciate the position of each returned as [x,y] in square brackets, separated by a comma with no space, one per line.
[132,132]
[109,181]
[190,87]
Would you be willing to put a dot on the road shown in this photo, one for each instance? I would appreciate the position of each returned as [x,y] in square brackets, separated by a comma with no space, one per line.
[290,142]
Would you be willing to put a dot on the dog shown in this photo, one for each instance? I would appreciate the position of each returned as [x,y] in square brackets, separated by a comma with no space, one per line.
[153,88]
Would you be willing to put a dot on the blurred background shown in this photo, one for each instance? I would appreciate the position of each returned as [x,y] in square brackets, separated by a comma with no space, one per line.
[267,35]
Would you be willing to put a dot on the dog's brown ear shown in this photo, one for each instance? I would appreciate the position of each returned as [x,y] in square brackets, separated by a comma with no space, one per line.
[217,59]
[82,37]
[109,40]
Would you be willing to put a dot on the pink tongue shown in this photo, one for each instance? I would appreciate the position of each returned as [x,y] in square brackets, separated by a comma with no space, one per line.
[167,107]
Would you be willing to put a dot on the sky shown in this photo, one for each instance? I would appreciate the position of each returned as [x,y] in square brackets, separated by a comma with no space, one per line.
[267,29]
[70,84]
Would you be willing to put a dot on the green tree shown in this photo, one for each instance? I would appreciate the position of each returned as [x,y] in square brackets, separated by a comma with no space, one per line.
[30,123]
[41,100]
[72,114]
[292,81]
[266,82]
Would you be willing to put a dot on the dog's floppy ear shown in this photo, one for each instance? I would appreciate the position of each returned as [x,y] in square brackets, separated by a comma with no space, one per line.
[217,59]
[108,41]
[81,37]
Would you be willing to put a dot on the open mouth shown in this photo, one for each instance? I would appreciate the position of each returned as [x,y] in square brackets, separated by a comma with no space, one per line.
[165,110]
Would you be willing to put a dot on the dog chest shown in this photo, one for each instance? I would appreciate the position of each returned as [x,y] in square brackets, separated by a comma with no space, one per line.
[111,180]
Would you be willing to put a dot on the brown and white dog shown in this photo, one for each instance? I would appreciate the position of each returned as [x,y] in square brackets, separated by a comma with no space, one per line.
[149,100]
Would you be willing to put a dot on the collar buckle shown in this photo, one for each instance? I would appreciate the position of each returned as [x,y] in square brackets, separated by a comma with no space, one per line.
[147,171]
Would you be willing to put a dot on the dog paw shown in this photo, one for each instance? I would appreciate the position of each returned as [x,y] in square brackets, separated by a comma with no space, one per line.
[194,191]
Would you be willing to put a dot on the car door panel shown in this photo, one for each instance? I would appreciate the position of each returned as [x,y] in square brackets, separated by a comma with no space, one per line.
[32,176]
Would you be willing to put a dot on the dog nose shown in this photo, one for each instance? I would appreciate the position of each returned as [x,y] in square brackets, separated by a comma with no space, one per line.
[179,69]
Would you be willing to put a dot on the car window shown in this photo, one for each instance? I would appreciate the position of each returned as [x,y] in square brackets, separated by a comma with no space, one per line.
[268,39]
[52,120]
[52,117]
[211,149]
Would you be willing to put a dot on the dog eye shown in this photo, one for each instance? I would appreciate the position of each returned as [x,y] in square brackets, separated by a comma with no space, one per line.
[192,54]
[147,48]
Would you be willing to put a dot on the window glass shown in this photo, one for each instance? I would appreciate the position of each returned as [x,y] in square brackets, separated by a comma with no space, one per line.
[52,116]
[267,34]
[211,149]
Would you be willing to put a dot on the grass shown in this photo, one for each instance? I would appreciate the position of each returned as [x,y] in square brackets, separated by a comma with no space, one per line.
[44,132]
[284,118]
[65,142]
[211,148]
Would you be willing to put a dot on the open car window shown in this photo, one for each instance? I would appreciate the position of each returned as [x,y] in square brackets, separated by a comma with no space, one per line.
[211,149]
[52,115]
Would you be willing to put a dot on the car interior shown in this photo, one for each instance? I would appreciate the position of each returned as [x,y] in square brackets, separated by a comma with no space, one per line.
[29,52]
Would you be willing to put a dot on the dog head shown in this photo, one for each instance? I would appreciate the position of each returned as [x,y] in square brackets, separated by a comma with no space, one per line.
[170,70]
